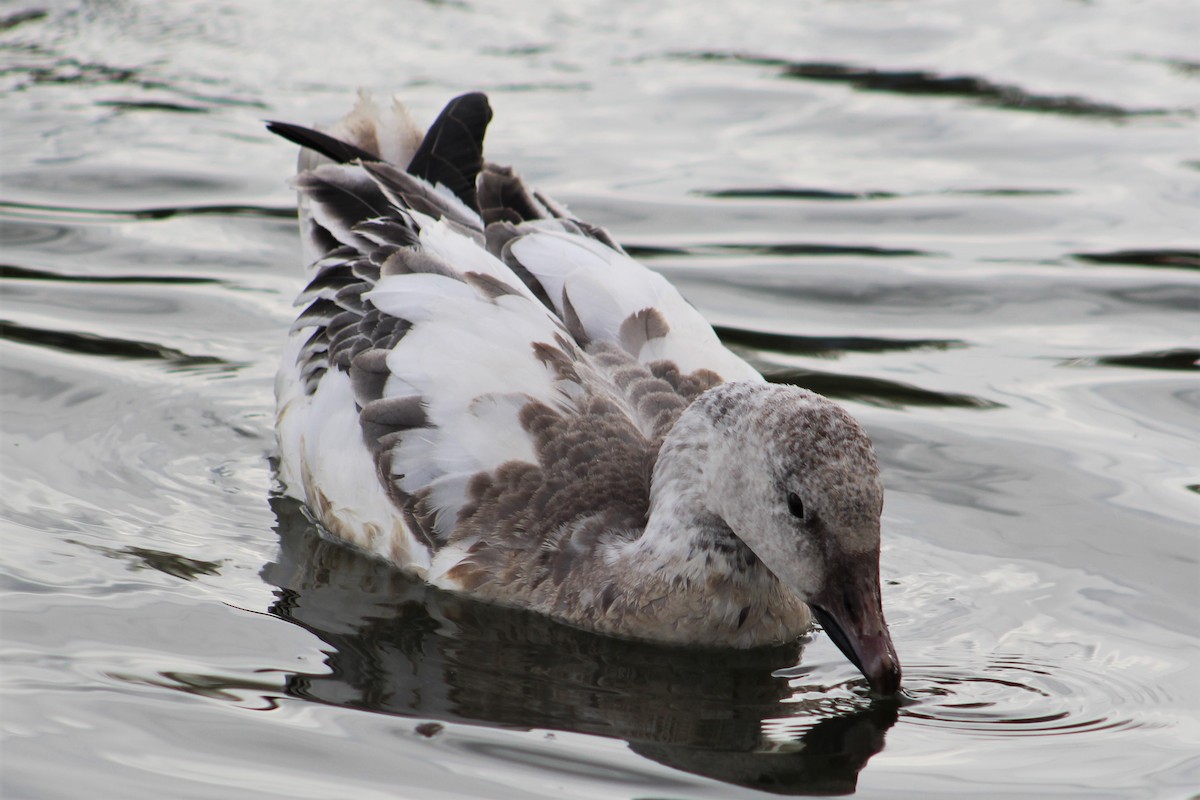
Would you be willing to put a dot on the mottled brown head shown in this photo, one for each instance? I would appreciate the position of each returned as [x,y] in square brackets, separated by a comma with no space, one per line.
[795,478]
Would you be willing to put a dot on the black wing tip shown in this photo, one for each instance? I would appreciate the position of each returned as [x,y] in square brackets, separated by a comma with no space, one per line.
[452,151]
[471,101]
[323,143]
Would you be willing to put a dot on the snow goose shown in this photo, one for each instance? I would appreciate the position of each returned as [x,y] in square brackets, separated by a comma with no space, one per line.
[491,394]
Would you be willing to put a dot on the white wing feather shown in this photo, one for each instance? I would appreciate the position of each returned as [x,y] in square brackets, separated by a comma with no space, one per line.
[606,287]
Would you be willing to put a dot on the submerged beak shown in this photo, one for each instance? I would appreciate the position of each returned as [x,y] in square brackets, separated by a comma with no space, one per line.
[851,612]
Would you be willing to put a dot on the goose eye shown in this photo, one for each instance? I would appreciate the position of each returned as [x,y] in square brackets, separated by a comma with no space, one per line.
[795,505]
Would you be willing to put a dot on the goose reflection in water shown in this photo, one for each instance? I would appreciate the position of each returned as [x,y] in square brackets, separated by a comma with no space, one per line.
[399,646]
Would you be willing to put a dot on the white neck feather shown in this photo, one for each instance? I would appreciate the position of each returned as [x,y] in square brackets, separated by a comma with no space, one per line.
[680,521]
[688,566]
[685,523]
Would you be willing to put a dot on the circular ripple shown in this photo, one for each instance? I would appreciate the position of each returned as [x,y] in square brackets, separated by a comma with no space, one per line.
[1012,696]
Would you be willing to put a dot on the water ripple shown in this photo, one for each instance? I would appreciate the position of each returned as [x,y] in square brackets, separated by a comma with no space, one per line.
[927,83]
[813,249]
[802,193]
[1179,358]
[826,345]
[21,17]
[1018,696]
[152,105]
[877,392]
[173,564]
[38,211]
[94,345]
[54,69]
[792,193]
[1173,259]
[14,272]
[785,249]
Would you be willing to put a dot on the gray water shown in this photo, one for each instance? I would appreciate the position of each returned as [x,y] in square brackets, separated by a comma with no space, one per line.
[974,224]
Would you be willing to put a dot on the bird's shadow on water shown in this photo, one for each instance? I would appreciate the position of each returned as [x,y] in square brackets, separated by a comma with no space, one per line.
[398,646]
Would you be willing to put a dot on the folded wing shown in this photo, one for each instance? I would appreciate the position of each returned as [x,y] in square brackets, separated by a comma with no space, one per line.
[478,383]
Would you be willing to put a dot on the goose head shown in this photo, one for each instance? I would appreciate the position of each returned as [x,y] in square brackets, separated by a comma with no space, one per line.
[795,478]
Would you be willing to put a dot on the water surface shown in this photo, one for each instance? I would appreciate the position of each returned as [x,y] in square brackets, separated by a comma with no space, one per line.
[976,227]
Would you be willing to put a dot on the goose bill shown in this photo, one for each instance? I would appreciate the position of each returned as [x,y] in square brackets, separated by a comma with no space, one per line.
[851,613]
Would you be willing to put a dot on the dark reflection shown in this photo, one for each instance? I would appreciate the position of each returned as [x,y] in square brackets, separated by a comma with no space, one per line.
[11,21]
[401,647]
[872,391]
[152,105]
[1174,259]
[1183,66]
[166,212]
[916,82]
[173,564]
[813,249]
[921,82]
[645,252]
[788,193]
[836,749]
[827,345]
[14,272]
[93,345]
[795,193]
[71,71]
[1011,192]
[787,249]
[188,569]
[1181,358]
